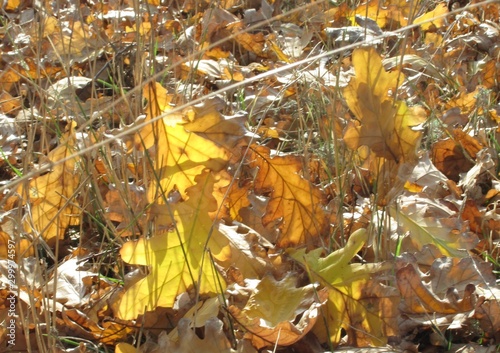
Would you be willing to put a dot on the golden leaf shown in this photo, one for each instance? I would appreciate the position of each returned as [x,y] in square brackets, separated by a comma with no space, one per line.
[366,310]
[434,18]
[374,10]
[53,207]
[179,259]
[269,319]
[384,124]
[180,155]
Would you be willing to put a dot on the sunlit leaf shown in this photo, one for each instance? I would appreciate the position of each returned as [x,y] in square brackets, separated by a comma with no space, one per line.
[269,319]
[180,155]
[178,260]
[434,18]
[295,204]
[362,307]
[374,10]
[384,124]
[53,206]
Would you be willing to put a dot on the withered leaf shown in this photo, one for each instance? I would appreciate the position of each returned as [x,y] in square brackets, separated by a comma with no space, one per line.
[295,203]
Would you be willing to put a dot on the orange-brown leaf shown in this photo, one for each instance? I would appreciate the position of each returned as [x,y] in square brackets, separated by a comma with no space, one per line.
[295,204]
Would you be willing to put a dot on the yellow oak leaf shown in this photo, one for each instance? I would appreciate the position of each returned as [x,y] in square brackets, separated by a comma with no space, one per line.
[374,10]
[51,196]
[383,123]
[365,309]
[179,155]
[12,5]
[125,348]
[434,18]
[270,320]
[295,203]
[179,259]
[227,132]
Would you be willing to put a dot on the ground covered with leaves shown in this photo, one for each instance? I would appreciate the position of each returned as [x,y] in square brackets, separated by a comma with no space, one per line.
[249,176]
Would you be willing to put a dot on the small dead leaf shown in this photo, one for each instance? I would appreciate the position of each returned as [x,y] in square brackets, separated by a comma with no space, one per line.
[420,299]
[449,155]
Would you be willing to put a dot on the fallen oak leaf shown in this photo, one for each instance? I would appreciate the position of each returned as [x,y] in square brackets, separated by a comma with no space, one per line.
[295,203]
[270,320]
[384,124]
[433,19]
[358,304]
[433,222]
[176,254]
[52,197]
[419,299]
[180,155]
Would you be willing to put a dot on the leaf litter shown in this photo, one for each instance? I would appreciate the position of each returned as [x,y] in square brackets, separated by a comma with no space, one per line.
[249,176]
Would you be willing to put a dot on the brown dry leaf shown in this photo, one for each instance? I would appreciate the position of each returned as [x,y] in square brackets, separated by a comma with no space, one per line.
[384,125]
[9,77]
[52,196]
[125,204]
[295,204]
[490,75]
[432,222]
[419,298]
[69,287]
[82,325]
[30,70]
[143,29]
[379,173]
[272,309]
[252,216]
[424,177]
[248,251]
[448,155]
[254,43]
[9,104]
[466,101]
[448,272]
[450,290]
[215,340]
[488,313]
[77,46]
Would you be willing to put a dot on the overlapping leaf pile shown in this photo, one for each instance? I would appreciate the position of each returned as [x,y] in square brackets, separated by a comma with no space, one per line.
[242,176]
